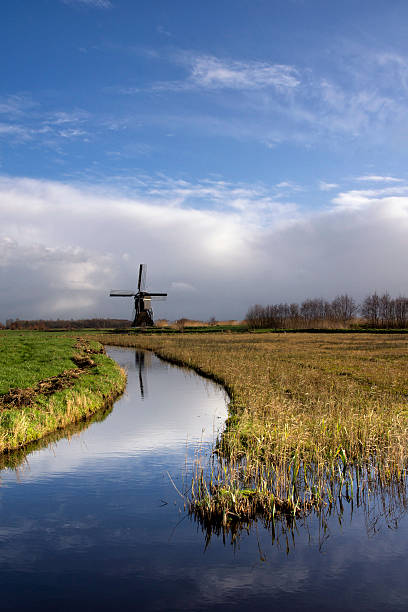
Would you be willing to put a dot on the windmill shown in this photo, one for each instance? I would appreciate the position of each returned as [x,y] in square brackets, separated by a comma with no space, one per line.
[143,300]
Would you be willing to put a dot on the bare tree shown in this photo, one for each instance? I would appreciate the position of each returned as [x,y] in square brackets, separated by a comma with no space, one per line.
[370,309]
[386,310]
[343,308]
[378,311]
[401,311]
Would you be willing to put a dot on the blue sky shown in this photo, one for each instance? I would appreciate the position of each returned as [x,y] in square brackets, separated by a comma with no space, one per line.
[234,146]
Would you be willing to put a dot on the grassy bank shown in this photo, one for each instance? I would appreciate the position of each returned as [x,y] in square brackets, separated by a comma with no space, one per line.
[313,418]
[48,381]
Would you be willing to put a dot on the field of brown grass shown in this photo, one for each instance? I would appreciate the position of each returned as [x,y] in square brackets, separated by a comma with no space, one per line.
[310,413]
[162,323]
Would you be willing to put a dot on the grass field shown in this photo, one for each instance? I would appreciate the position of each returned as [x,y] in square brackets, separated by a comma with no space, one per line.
[27,357]
[312,417]
[48,381]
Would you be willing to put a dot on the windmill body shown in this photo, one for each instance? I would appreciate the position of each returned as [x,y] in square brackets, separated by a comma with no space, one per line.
[143,316]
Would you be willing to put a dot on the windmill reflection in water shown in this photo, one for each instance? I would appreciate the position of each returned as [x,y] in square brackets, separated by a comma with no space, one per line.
[143,360]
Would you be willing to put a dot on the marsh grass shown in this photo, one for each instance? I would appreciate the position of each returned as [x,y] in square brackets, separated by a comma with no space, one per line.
[16,459]
[314,419]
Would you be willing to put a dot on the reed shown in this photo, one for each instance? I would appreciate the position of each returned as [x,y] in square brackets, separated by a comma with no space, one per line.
[313,418]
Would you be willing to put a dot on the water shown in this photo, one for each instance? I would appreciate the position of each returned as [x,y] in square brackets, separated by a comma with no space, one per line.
[94,521]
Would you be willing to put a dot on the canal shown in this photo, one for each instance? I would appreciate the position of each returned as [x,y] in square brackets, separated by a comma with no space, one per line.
[96,520]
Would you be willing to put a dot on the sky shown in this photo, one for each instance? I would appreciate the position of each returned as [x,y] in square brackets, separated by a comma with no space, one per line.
[247,151]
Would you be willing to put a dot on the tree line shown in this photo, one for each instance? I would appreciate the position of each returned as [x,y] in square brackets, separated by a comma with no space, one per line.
[45,325]
[379,311]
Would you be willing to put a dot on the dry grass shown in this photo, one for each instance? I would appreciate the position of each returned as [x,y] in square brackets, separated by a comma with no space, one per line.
[312,417]
[162,323]
[231,322]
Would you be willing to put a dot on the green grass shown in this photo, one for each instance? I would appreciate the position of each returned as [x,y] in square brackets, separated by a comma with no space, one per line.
[18,457]
[29,357]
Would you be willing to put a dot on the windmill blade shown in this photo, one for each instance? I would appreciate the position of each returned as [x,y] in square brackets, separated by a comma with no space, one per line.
[141,283]
[121,293]
[156,294]
[139,280]
[144,271]
[156,297]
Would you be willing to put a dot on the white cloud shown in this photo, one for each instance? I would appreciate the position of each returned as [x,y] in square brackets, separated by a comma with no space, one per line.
[395,68]
[15,105]
[37,127]
[64,117]
[351,110]
[268,102]
[72,133]
[289,186]
[323,186]
[276,103]
[60,281]
[216,74]
[213,73]
[64,247]
[252,200]
[373,178]
[358,198]
[352,200]
[17,131]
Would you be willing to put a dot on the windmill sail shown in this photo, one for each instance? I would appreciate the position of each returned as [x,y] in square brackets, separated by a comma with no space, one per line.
[121,293]
[141,283]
